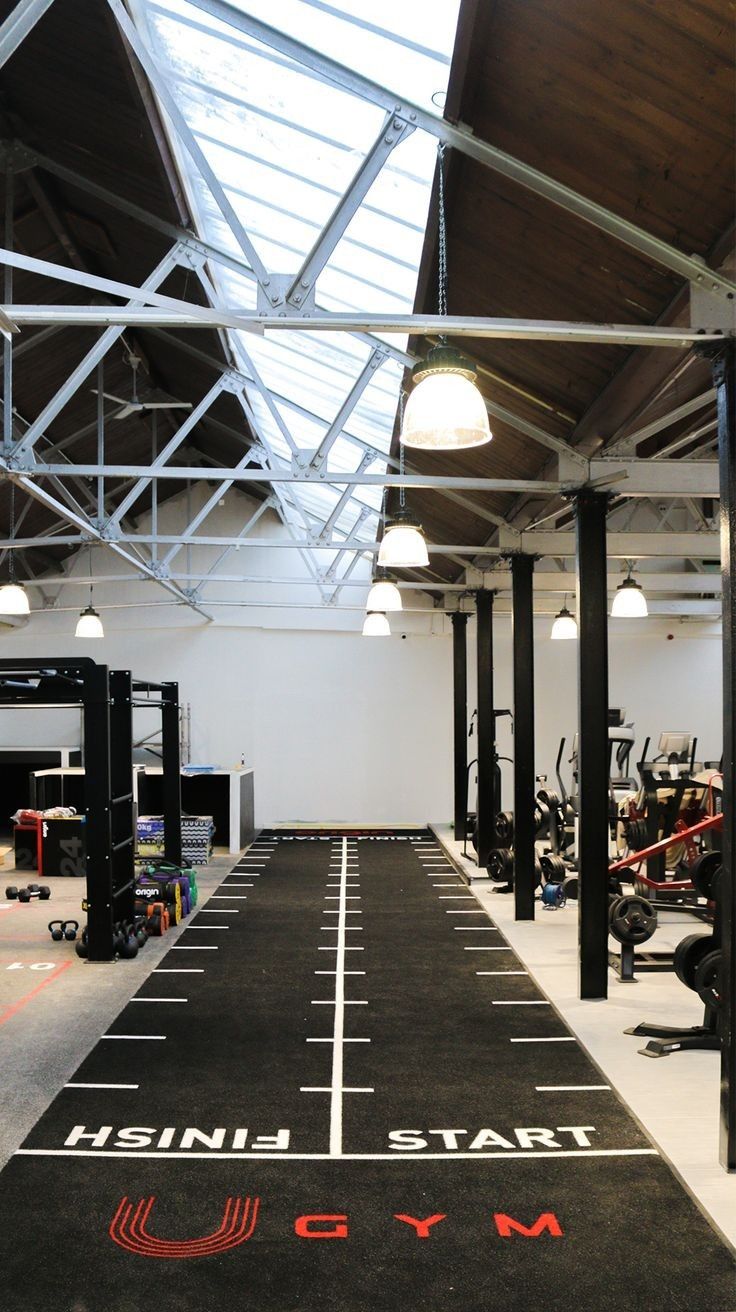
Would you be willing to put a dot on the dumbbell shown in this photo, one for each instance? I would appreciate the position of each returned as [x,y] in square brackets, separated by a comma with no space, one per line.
[34,890]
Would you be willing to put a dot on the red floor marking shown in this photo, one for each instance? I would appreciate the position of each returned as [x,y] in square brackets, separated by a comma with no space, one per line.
[16,1006]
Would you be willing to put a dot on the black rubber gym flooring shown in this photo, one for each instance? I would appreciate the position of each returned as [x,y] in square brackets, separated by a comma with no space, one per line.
[340,1091]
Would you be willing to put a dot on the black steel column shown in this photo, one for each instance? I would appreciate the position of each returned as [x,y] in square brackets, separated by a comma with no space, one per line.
[593,852]
[522,571]
[171,772]
[724,377]
[486,728]
[460,723]
[98,827]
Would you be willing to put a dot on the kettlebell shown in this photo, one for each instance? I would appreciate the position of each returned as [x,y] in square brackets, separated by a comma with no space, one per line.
[129,948]
[81,947]
[57,934]
[70,929]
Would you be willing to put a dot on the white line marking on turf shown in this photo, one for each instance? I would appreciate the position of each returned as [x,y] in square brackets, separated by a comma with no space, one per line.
[159,999]
[102,1086]
[338,1033]
[332,1041]
[534,1003]
[132,1036]
[218,911]
[399,1158]
[570,1088]
[236,885]
[561,1039]
[457,884]
[332,1002]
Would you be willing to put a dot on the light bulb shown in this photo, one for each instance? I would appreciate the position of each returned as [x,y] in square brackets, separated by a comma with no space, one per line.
[384,595]
[403,543]
[14,600]
[629,601]
[565,626]
[376,625]
[445,411]
[89,625]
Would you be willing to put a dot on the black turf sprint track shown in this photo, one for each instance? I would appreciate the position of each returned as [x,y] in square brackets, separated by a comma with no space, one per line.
[602,1231]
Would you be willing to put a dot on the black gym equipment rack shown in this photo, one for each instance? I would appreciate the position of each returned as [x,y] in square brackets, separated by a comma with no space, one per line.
[107,699]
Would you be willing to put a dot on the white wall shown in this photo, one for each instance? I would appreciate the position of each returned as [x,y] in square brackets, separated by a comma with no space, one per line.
[336,726]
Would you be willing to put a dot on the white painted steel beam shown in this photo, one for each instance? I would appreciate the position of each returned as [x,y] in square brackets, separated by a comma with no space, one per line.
[535,330]
[18,24]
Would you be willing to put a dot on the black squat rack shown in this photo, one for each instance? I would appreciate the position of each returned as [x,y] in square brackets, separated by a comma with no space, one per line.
[107,699]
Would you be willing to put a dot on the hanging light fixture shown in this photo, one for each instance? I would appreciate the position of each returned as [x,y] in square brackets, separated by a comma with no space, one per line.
[629,602]
[13,596]
[565,626]
[403,544]
[89,624]
[376,625]
[445,410]
[384,595]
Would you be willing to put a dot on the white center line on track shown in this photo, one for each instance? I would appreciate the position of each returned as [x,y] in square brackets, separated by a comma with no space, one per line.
[338,1033]
[236,885]
[571,1088]
[102,1086]
[218,911]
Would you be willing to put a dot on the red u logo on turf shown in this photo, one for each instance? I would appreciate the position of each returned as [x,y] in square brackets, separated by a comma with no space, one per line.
[128,1229]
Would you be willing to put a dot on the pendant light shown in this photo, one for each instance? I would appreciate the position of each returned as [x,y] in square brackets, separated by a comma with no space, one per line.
[403,544]
[629,602]
[13,596]
[376,625]
[565,626]
[445,411]
[89,624]
[384,595]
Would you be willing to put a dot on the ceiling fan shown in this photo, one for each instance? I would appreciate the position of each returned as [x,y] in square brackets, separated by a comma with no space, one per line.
[133,404]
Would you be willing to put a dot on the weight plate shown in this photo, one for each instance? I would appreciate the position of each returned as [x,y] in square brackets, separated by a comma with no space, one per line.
[632,919]
[500,865]
[688,954]
[504,826]
[554,869]
[707,980]
[703,870]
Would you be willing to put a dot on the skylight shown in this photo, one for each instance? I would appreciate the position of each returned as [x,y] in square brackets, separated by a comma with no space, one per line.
[285,146]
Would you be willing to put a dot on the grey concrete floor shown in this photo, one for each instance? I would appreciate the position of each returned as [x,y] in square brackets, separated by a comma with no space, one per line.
[53,1005]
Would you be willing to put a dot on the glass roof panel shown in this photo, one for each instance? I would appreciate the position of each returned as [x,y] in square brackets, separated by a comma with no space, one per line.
[285,146]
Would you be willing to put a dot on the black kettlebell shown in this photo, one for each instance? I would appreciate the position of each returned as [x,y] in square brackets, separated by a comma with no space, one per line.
[81,947]
[70,929]
[129,948]
[57,934]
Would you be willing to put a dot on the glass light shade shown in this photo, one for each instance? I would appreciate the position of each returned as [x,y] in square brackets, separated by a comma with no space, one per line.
[89,625]
[14,600]
[375,625]
[384,595]
[403,543]
[445,411]
[565,626]
[629,603]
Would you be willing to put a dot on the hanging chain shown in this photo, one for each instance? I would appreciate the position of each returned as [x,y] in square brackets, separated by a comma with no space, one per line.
[11,559]
[442,234]
[402,496]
